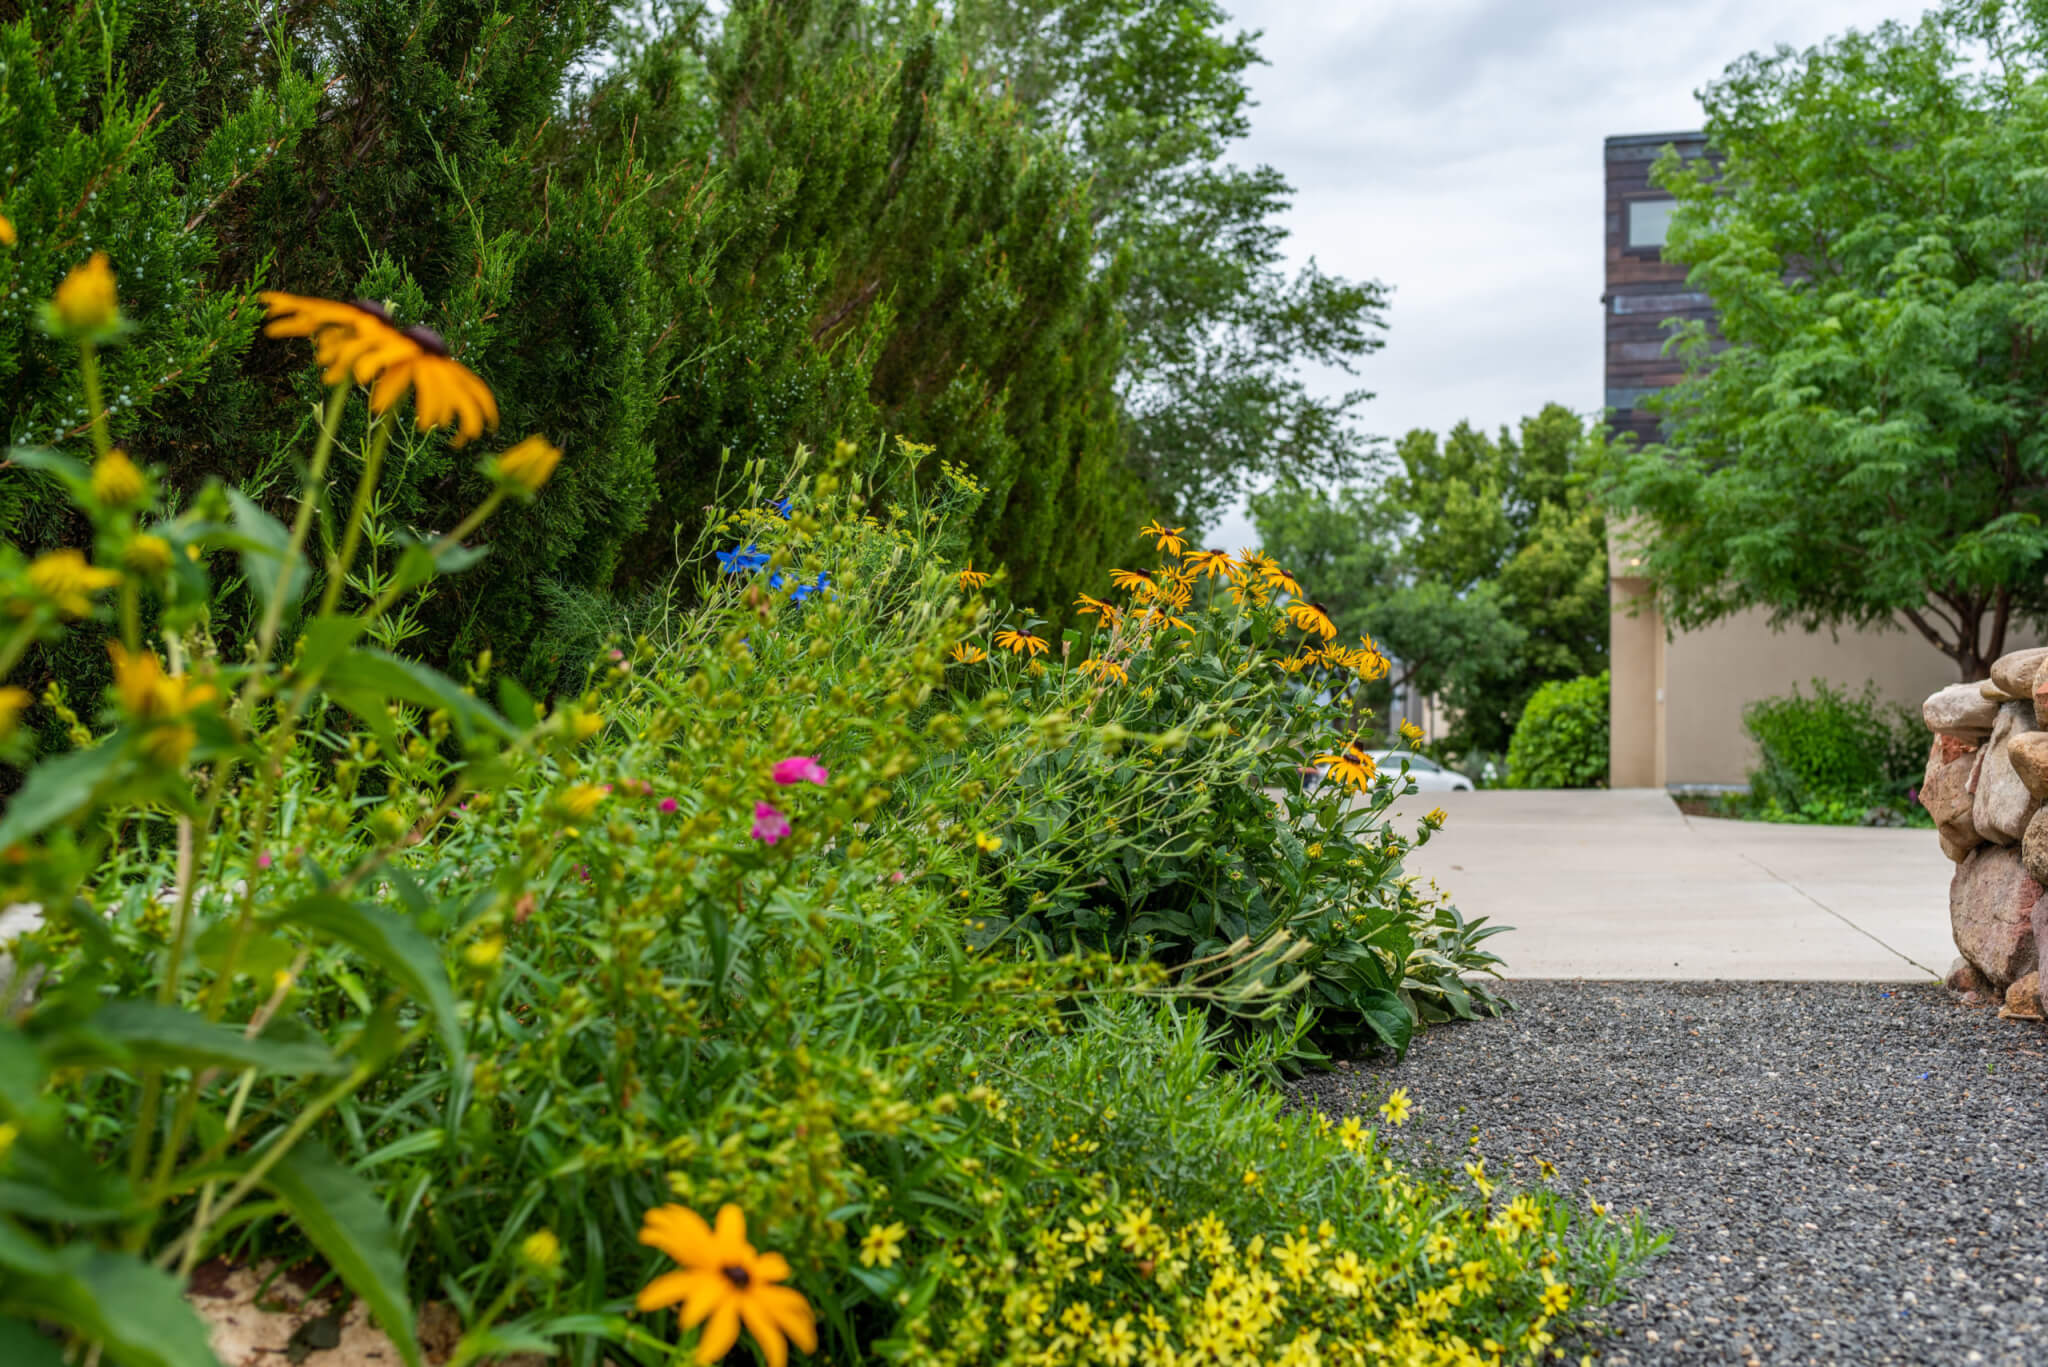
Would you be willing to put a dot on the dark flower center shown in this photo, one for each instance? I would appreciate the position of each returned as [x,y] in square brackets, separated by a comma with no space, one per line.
[373,308]
[737,1275]
[429,339]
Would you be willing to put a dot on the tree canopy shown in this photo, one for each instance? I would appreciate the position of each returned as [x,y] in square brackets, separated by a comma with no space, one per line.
[1864,443]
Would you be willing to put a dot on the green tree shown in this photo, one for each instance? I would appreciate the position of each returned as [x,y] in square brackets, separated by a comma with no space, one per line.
[1869,447]
[1479,563]
[1150,96]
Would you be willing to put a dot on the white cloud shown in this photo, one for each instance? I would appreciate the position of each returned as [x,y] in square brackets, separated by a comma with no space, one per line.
[1452,148]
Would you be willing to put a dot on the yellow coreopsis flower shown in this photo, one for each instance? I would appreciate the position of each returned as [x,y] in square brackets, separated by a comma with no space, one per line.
[882,1245]
[1397,1106]
[528,465]
[67,581]
[86,302]
[723,1282]
[116,480]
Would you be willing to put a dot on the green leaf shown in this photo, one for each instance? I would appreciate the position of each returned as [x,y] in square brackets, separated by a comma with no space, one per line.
[21,1345]
[22,1071]
[1387,1016]
[150,1032]
[115,1299]
[265,544]
[340,1213]
[376,673]
[325,639]
[57,788]
[393,945]
[67,469]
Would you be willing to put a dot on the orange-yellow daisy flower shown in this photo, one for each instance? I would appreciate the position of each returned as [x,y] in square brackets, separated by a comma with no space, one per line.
[1312,617]
[723,1283]
[1167,539]
[1021,642]
[963,653]
[1132,581]
[972,578]
[1108,612]
[1210,563]
[1105,671]
[1281,579]
[1353,765]
[445,393]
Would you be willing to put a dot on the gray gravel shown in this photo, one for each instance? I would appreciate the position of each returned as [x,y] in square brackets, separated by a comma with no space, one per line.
[1849,1173]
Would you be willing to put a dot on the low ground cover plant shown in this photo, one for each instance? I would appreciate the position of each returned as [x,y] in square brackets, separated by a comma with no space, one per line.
[849,966]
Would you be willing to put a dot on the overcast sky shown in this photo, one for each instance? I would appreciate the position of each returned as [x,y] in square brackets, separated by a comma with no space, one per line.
[1452,148]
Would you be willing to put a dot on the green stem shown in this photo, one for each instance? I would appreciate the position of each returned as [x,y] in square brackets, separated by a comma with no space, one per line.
[462,529]
[358,513]
[89,374]
[302,522]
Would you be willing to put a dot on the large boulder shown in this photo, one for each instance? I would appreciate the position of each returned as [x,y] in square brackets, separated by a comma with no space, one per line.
[2028,754]
[1991,909]
[1960,710]
[2034,847]
[2023,999]
[2003,806]
[1947,793]
[1991,692]
[2015,671]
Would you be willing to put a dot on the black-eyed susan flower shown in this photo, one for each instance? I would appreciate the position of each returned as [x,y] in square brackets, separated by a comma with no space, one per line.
[66,581]
[1095,607]
[1167,539]
[1104,671]
[1280,579]
[1312,617]
[1132,581]
[972,578]
[965,654]
[1210,563]
[723,1283]
[1352,765]
[1175,588]
[1160,617]
[86,303]
[526,466]
[116,480]
[1021,642]
[445,393]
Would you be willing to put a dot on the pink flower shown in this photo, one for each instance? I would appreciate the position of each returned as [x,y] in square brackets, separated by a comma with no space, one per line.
[669,804]
[263,860]
[800,769]
[769,824]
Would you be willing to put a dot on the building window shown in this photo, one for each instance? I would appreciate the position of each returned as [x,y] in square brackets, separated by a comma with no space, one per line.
[1648,221]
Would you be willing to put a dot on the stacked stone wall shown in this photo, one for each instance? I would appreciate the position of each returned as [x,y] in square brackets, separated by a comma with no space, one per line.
[1985,787]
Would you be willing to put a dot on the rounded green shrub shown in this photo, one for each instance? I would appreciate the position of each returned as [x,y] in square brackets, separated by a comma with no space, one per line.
[1561,740]
[1832,755]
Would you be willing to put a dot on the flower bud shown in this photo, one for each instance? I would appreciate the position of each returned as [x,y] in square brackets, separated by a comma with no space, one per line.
[116,480]
[527,466]
[86,302]
[541,1251]
[146,554]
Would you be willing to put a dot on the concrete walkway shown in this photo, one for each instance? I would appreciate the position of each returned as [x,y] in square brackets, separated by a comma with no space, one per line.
[1623,885]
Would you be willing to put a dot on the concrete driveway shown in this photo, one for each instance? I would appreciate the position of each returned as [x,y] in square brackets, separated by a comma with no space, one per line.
[1621,884]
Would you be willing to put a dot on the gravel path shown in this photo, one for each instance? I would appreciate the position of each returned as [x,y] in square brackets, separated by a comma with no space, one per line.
[1850,1173]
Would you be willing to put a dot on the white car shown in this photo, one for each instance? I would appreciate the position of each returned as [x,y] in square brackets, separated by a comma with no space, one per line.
[1429,776]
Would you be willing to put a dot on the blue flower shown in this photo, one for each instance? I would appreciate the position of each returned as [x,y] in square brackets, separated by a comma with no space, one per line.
[803,591]
[785,507]
[742,559]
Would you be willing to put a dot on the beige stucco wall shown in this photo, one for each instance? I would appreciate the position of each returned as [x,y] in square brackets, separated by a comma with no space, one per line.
[1635,701]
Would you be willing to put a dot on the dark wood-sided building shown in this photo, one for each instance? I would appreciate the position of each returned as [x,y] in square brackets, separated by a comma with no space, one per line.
[1644,292]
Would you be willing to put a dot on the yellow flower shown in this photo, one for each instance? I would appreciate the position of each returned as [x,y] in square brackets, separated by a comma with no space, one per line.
[13,701]
[1547,1168]
[1210,563]
[1165,538]
[1354,765]
[986,843]
[1104,670]
[972,578]
[1436,817]
[541,1251]
[147,693]
[116,481]
[1108,612]
[963,653]
[1347,1275]
[146,553]
[528,465]
[1021,642]
[1352,1133]
[68,582]
[7,237]
[1133,581]
[1312,617]
[578,802]
[1557,1298]
[445,393]
[1251,1177]
[1396,1107]
[484,953]
[86,301]
[1281,579]
[723,1282]
[1480,1182]
[881,1245]
[1474,1277]
[1410,732]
